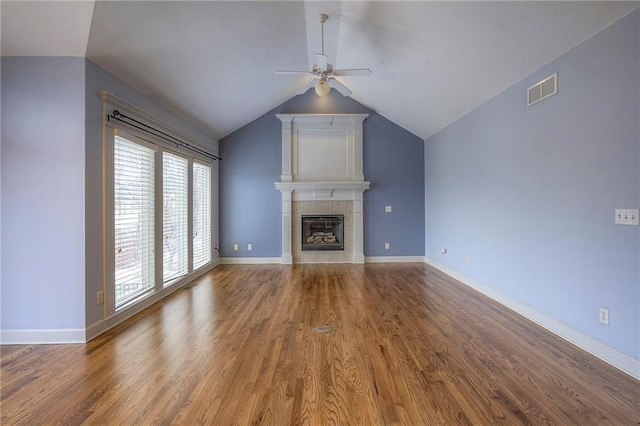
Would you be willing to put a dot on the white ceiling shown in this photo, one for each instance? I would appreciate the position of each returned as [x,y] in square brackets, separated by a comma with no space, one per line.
[212,62]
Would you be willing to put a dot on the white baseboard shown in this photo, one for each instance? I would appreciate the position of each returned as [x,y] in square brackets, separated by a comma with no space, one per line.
[278,260]
[42,337]
[96,329]
[250,260]
[394,259]
[606,353]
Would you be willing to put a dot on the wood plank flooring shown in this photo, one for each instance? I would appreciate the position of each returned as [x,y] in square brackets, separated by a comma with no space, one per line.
[239,346]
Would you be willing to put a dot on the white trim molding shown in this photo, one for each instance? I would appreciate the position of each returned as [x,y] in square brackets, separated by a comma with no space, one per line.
[606,353]
[42,337]
[394,259]
[250,261]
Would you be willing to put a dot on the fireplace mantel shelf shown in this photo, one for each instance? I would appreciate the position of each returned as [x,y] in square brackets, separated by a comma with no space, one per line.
[344,186]
[317,191]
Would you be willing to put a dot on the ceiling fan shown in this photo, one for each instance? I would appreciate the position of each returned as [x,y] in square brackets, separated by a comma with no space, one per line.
[323,72]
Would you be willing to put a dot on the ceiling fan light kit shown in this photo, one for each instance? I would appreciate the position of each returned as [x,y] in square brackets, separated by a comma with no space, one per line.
[322,71]
[322,87]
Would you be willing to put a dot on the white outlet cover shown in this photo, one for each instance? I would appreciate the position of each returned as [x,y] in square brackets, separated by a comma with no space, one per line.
[387,209]
[604,316]
[626,216]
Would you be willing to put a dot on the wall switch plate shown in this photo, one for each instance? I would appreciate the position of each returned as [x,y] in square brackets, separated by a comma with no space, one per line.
[467,261]
[626,217]
[249,247]
[235,247]
[100,297]
[604,316]
[386,246]
[387,209]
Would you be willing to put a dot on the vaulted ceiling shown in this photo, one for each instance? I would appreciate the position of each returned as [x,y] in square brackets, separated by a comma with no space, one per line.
[213,62]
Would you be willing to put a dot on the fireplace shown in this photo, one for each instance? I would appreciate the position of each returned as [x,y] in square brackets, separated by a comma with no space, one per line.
[322,175]
[322,233]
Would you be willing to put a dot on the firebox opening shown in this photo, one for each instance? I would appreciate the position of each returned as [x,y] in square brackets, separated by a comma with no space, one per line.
[322,233]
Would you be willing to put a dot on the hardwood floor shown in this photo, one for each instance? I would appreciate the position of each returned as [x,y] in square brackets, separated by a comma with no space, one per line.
[239,346]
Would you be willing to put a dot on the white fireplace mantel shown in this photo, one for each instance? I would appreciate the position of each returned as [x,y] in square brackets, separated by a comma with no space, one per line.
[312,191]
[322,161]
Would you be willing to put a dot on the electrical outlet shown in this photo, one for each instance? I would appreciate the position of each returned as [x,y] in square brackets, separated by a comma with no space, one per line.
[386,246]
[604,316]
[235,247]
[387,209]
[100,297]
[249,246]
[467,261]
[445,252]
[626,217]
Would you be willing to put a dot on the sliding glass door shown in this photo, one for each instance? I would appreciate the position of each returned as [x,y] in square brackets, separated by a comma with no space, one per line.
[159,230]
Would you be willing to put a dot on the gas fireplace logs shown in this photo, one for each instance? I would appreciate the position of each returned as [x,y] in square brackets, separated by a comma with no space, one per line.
[321,237]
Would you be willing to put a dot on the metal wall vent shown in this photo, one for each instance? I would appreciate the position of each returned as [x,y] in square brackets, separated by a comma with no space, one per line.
[542,89]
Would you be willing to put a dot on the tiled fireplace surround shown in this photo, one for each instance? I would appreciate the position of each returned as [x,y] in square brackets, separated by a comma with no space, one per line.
[300,208]
[322,174]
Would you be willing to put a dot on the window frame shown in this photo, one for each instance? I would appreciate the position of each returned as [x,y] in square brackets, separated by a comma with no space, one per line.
[110,129]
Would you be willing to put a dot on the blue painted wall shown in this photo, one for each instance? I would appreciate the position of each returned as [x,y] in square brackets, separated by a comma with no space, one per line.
[528,194]
[43,194]
[52,190]
[250,206]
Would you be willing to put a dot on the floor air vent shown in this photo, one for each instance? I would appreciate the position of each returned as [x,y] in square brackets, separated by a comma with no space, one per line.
[542,89]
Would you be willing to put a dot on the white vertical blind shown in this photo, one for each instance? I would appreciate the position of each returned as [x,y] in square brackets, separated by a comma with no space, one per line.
[201,215]
[175,216]
[134,219]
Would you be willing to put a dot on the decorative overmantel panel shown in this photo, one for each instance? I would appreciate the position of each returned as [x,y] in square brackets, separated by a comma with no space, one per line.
[322,161]
[322,147]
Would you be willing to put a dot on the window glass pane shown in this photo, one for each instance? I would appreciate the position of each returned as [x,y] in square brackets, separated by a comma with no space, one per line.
[201,215]
[134,220]
[175,198]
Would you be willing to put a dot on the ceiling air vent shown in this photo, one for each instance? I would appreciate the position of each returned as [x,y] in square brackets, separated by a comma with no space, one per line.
[542,89]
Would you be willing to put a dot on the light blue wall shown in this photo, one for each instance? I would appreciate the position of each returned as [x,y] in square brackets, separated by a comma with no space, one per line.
[394,164]
[98,79]
[52,190]
[528,194]
[43,188]
[250,206]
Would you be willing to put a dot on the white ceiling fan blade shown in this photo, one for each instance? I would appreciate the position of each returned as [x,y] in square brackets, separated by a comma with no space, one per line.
[291,72]
[344,90]
[303,89]
[322,61]
[352,72]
